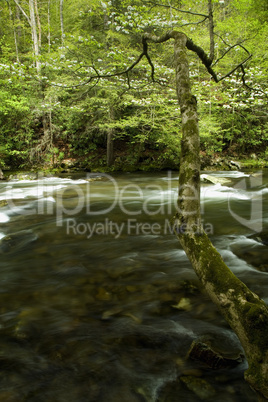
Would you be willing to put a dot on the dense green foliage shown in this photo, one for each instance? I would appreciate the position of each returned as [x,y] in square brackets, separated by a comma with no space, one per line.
[67,105]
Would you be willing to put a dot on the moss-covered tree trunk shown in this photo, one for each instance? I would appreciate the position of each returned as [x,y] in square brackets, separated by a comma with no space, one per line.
[244,311]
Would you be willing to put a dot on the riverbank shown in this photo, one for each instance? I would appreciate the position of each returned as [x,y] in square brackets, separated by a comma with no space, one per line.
[74,165]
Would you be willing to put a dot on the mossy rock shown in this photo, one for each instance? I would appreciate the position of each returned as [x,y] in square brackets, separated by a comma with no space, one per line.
[208,353]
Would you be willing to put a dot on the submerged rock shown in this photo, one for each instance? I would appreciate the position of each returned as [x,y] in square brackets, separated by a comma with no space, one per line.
[261,237]
[17,241]
[204,351]
[184,304]
[254,253]
[170,391]
[199,386]
[103,294]
[3,203]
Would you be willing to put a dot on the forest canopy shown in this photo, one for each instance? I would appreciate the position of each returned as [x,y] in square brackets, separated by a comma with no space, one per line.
[66,93]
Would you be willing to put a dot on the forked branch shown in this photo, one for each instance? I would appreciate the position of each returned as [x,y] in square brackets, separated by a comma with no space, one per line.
[206,60]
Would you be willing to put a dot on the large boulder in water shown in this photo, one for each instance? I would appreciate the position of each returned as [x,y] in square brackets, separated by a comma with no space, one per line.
[207,178]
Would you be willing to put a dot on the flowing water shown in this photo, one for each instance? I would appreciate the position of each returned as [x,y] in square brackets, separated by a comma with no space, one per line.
[98,300]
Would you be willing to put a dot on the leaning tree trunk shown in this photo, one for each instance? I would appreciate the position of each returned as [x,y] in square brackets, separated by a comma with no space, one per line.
[244,311]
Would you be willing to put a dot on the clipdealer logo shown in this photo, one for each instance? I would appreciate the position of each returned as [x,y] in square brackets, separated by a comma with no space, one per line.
[87,198]
[128,227]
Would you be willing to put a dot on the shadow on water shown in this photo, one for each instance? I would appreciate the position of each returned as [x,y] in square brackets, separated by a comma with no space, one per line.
[105,306]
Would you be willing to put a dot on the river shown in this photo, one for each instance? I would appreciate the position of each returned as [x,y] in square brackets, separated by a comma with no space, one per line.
[98,300]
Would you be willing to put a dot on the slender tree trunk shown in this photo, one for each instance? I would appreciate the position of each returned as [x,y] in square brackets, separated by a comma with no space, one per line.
[18,15]
[211,31]
[34,36]
[110,148]
[14,33]
[48,26]
[61,22]
[244,311]
[22,11]
[38,24]
[110,143]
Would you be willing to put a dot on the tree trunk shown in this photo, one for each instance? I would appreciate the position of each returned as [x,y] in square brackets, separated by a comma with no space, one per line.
[34,36]
[18,28]
[211,31]
[48,26]
[61,22]
[110,148]
[244,311]
[14,33]
[110,143]
[38,24]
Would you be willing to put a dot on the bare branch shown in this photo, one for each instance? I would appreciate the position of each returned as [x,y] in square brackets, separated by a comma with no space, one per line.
[206,60]
[193,23]
[189,44]
[128,81]
[243,78]
[230,47]
[23,12]
[98,76]
[211,32]
[177,9]
[248,87]
[203,57]
[234,69]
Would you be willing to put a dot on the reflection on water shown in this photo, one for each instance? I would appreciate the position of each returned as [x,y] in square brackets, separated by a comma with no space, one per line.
[98,300]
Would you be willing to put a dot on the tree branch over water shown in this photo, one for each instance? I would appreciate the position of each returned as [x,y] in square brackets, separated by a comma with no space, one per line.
[243,310]
[203,56]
